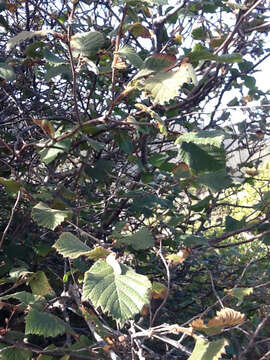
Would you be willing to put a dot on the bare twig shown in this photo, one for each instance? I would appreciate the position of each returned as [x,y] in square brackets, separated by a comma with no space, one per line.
[10,218]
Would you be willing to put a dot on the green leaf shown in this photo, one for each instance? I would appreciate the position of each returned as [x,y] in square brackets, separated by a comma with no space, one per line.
[165,86]
[42,323]
[122,296]
[205,350]
[130,54]
[232,224]
[62,69]
[203,151]
[154,64]
[53,59]
[25,35]
[190,240]
[239,293]
[12,353]
[199,33]
[49,154]
[201,53]
[215,181]
[87,43]
[142,239]
[24,297]
[70,246]
[11,185]
[7,72]
[124,141]
[39,284]
[47,217]
[96,145]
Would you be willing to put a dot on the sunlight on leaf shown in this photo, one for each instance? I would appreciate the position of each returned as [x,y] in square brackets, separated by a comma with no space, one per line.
[47,217]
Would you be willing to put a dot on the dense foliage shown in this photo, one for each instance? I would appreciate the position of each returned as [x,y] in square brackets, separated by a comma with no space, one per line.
[134,205]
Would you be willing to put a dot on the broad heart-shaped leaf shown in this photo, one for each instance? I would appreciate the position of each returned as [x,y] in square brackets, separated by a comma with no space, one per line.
[7,72]
[39,284]
[47,217]
[87,43]
[142,239]
[122,296]
[130,54]
[154,64]
[203,151]
[70,246]
[165,86]
[41,323]
[14,354]
[215,181]
[25,35]
[205,350]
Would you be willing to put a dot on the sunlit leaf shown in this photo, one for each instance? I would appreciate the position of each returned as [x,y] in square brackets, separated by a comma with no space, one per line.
[239,293]
[87,43]
[25,35]
[122,296]
[138,30]
[224,318]
[70,246]
[130,54]
[165,86]
[39,284]
[205,350]
[47,217]
[7,72]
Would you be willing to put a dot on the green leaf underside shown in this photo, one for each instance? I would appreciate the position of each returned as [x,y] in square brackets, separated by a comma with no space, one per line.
[130,54]
[48,155]
[141,240]
[205,350]
[122,296]
[25,35]
[47,217]
[7,72]
[87,43]
[41,323]
[165,86]
[152,65]
[70,246]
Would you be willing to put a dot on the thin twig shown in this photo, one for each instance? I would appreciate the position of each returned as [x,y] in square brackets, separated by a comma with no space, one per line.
[10,218]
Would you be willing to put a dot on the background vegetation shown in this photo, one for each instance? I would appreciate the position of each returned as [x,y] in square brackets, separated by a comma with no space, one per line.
[134,204]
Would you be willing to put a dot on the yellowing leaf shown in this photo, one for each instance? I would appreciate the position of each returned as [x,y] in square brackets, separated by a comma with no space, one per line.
[158,291]
[239,293]
[45,126]
[224,318]
[138,30]
[98,253]
[178,258]
[39,284]
[165,86]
